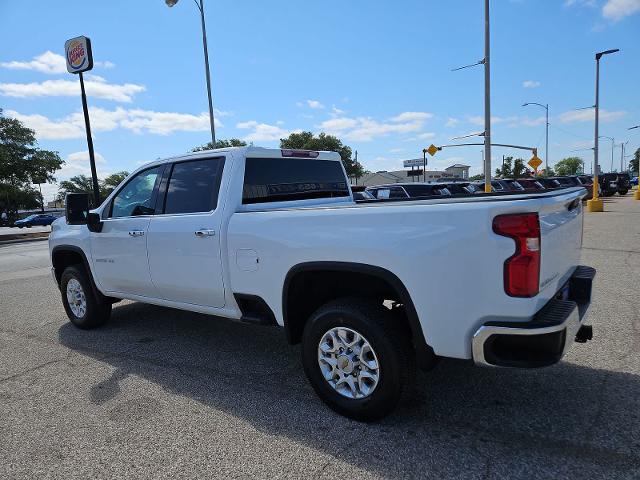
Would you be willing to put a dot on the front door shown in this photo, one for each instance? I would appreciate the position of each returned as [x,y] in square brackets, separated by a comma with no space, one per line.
[119,251]
[183,240]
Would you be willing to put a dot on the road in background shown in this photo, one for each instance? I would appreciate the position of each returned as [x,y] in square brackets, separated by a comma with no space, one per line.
[16,230]
[164,393]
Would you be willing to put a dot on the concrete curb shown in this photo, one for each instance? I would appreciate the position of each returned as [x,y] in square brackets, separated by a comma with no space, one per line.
[23,240]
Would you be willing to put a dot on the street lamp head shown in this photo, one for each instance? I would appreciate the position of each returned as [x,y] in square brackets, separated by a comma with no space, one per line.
[606,52]
[171,3]
[631,128]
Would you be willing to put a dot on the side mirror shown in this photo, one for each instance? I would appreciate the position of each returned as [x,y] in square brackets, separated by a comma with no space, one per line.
[77,212]
[77,208]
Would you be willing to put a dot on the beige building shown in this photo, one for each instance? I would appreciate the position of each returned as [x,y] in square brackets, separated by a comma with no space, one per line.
[412,175]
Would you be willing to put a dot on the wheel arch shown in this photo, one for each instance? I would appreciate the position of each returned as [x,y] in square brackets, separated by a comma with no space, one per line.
[306,287]
[64,255]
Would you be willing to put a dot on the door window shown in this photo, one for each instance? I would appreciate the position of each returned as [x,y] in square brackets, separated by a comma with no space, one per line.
[137,197]
[193,186]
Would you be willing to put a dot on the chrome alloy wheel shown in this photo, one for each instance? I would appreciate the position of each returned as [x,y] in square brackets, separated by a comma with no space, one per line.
[76,299]
[348,363]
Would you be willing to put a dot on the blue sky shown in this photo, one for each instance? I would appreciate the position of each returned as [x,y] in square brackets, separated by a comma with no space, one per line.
[375,73]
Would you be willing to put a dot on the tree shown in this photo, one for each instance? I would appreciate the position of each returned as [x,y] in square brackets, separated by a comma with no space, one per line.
[633,164]
[22,164]
[308,141]
[520,169]
[474,178]
[506,170]
[232,142]
[111,182]
[83,184]
[569,166]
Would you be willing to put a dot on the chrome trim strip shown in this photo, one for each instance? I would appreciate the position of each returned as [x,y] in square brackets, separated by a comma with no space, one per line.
[571,324]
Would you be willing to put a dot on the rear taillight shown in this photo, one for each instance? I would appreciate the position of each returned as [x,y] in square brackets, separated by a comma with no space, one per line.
[522,269]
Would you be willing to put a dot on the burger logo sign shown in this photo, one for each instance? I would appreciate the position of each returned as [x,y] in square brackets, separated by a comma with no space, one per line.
[78,54]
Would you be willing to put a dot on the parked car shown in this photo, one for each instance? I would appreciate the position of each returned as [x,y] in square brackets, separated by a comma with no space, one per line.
[359,193]
[274,237]
[530,184]
[549,183]
[624,183]
[408,190]
[40,219]
[499,185]
[587,182]
[634,181]
[608,184]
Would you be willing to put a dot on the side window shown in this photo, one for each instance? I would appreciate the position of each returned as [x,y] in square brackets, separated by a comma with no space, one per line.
[137,196]
[397,192]
[193,186]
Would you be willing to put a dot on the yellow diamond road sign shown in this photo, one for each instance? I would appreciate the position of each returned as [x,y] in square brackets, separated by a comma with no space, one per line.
[432,150]
[535,162]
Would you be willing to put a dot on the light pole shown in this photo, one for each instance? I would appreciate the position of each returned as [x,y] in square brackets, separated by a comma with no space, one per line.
[200,5]
[546,144]
[612,147]
[595,204]
[622,148]
[487,101]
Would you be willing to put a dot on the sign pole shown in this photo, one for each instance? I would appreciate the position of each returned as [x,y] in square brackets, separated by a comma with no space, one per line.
[80,59]
[92,159]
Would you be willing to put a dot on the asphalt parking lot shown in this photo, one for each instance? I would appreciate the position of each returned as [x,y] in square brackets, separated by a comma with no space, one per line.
[160,393]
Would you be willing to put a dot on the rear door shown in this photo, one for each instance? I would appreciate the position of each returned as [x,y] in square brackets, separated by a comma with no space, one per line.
[183,241]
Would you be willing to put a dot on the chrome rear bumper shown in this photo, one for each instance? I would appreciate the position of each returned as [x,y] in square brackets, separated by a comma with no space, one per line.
[546,338]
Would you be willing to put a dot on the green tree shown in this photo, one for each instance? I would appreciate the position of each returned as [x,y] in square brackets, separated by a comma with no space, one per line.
[633,164]
[308,141]
[476,177]
[232,142]
[109,184]
[520,169]
[22,164]
[83,184]
[506,170]
[569,166]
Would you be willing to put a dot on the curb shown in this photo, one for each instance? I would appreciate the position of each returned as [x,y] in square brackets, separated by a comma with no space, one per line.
[23,240]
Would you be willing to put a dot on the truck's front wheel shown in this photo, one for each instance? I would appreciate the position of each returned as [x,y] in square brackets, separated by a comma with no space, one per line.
[84,308]
[358,358]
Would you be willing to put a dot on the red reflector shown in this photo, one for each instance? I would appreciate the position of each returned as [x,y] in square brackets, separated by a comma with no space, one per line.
[522,269]
[299,153]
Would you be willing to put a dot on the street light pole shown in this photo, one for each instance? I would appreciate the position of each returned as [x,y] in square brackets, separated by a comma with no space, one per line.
[596,203]
[612,147]
[487,101]
[200,6]
[546,146]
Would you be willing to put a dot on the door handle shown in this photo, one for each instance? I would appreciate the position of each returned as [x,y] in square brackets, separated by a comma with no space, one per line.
[205,232]
[136,233]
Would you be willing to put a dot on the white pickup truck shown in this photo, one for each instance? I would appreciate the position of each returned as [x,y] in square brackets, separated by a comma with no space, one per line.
[372,289]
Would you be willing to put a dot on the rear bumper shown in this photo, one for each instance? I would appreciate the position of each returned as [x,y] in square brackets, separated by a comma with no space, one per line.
[544,339]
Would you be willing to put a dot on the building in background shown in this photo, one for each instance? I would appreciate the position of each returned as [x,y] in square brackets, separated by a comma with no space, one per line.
[414,174]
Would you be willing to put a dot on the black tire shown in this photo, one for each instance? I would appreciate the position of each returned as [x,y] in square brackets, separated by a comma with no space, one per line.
[97,310]
[28,225]
[388,337]
[622,192]
[19,226]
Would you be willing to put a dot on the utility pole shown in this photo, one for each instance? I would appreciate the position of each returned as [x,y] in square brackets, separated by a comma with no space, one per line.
[487,101]
[595,204]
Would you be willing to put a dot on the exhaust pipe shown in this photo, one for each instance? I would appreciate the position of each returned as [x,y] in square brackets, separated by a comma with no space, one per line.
[584,334]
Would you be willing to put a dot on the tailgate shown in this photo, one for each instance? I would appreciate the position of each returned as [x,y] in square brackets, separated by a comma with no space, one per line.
[561,239]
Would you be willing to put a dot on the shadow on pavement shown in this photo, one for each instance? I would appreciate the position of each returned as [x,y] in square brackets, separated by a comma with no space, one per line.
[463,417]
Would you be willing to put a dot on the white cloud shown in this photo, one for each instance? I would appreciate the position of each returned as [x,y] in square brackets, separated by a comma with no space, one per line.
[530,84]
[336,111]
[426,135]
[84,157]
[366,128]
[314,104]
[479,120]
[77,163]
[573,116]
[451,122]
[412,117]
[96,87]
[262,132]
[532,122]
[136,120]
[618,9]
[47,62]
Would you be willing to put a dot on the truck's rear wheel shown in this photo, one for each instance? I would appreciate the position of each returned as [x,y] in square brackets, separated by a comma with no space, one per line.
[84,308]
[358,358]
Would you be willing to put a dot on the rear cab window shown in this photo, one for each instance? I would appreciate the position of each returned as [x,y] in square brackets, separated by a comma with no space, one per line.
[289,179]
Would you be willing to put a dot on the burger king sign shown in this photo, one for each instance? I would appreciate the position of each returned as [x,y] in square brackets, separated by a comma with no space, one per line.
[78,54]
